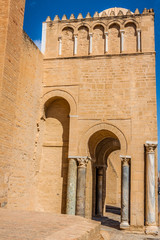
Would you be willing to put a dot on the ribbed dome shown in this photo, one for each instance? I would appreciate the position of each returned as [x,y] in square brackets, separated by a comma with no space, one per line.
[115,10]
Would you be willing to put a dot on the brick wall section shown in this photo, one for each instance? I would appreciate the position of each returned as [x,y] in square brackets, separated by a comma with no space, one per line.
[20,84]
[22,179]
[11,23]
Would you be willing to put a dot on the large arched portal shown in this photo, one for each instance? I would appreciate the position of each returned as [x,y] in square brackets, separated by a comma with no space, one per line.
[104,148]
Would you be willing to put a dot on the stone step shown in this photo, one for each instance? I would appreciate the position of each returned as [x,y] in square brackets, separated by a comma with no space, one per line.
[21,225]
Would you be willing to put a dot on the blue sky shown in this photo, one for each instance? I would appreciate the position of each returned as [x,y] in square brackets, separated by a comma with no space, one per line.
[37,11]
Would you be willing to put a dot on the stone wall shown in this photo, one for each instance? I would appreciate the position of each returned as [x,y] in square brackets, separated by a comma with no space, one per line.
[20,91]
[22,180]
[11,22]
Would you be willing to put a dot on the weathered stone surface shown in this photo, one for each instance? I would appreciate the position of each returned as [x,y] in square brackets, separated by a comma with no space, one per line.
[46,226]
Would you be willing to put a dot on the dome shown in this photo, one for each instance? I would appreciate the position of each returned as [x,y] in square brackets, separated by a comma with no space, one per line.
[115,10]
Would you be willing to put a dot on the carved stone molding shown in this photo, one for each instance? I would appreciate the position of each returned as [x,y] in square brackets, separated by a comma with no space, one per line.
[150,146]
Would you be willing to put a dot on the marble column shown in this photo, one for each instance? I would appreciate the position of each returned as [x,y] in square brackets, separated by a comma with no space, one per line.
[75,44]
[125,192]
[81,186]
[151,227]
[71,187]
[99,191]
[138,40]
[60,46]
[90,43]
[106,42]
[122,41]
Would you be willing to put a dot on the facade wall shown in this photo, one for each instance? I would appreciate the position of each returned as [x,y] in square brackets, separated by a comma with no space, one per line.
[113,88]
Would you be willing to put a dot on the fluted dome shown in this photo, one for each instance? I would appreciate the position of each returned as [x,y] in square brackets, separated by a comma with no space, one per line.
[115,10]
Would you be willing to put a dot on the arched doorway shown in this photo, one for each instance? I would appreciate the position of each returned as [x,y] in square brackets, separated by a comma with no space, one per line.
[104,147]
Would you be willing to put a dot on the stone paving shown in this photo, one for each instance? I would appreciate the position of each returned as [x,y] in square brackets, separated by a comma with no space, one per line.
[110,229]
[19,225]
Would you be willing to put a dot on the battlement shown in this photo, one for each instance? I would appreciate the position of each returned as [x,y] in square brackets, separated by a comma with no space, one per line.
[109,13]
[112,31]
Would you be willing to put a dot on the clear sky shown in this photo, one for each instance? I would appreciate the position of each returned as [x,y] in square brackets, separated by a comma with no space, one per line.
[37,11]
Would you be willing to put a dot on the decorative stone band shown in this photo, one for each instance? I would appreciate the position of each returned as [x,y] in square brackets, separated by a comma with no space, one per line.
[125,160]
[150,146]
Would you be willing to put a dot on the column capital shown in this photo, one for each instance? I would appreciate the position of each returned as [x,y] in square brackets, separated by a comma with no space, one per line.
[75,35]
[150,146]
[83,161]
[125,160]
[122,31]
[59,38]
[106,33]
[90,34]
[138,30]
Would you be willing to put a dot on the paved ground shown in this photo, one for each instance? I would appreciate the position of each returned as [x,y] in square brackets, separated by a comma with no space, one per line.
[110,228]
[19,225]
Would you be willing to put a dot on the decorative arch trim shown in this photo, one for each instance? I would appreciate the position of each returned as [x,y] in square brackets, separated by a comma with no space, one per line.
[83,144]
[68,26]
[62,94]
[97,24]
[83,25]
[115,22]
[133,22]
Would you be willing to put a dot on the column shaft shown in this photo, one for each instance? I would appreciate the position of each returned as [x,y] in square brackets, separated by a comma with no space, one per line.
[75,44]
[122,41]
[81,187]
[106,42]
[150,188]
[60,46]
[71,187]
[139,40]
[125,192]
[99,191]
[90,43]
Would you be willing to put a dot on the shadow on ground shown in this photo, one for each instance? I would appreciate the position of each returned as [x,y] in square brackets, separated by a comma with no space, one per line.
[111,218]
